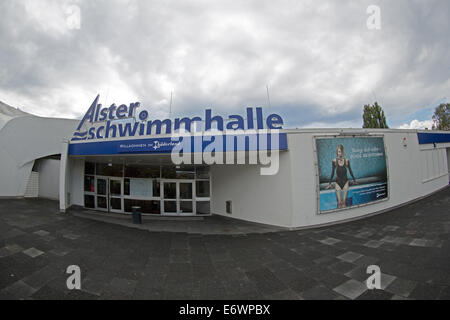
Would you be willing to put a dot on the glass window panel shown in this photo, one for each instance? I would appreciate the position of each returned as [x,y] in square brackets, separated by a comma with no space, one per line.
[142,171]
[186,206]
[170,190]
[202,172]
[169,173]
[101,186]
[156,188]
[116,203]
[104,169]
[184,172]
[89,168]
[115,187]
[101,202]
[147,206]
[202,189]
[170,206]
[141,188]
[89,183]
[203,207]
[89,201]
[185,190]
[126,187]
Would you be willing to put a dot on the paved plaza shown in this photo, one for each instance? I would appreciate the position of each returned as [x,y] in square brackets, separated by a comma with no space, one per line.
[411,245]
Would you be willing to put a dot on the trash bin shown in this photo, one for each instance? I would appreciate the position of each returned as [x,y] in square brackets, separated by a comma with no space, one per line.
[137,216]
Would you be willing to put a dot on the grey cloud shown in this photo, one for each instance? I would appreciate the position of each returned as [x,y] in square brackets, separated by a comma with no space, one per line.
[320,61]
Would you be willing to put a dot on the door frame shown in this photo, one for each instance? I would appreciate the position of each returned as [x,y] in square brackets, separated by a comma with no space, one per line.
[178,198]
[116,196]
[108,195]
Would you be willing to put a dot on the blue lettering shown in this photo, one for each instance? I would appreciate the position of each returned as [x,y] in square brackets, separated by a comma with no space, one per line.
[121,111]
[99,130]
[238,124]
[274,121]
[91,133]
[110,127]
[158,124]
[209,120]
[103,114]
[131,132]
[89,114]
[142,126]
[133,107]
[111,111]
[187,123]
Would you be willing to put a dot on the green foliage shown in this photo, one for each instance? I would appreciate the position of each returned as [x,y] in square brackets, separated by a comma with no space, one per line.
[373,117]
[441,117]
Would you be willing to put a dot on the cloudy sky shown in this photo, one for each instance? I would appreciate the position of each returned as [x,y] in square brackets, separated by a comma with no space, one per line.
[319,59]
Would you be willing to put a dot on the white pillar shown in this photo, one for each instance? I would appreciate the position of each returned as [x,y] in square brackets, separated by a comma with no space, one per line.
[63,175]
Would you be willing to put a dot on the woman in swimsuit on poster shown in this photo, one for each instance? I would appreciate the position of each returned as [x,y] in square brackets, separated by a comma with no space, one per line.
[342,184]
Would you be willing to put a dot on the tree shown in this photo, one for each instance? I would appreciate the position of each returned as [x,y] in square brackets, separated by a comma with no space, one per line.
[441,117]
[373,117]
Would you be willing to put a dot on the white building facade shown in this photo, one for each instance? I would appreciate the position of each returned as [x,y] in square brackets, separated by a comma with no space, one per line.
[116,158]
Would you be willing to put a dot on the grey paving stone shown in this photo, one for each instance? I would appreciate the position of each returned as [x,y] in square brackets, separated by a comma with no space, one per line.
[386,280]
[391,228]
[319,292]
[366,261]
[350,256]
[418,242]
[71,236]
[4,252]
[14,248]
[122,286]
[58,252]
[376,294]
[330,241]
[401,287]
[33,252]
[119,262]
[42,233]
[424,291]
[12,233]
[351,289]
[373,243]
[19,290]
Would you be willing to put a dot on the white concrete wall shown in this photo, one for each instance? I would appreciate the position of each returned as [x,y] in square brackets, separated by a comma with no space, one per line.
[290,198]
[256,198]
[448,162]
[76,182]
[404,170]
[49,179]
[23,140]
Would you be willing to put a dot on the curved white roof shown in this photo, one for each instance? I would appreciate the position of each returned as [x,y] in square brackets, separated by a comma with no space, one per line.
[7,113]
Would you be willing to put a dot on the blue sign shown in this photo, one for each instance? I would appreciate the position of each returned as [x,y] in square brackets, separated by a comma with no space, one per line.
[432,137]
[165,145]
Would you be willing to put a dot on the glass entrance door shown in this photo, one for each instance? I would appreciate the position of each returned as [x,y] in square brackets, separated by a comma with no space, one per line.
[101,199]
[177,198]
[169,202]
[115,195]
[186,199]
[109,195]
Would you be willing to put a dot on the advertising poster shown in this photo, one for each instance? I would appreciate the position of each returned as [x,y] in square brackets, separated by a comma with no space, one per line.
[352,172]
